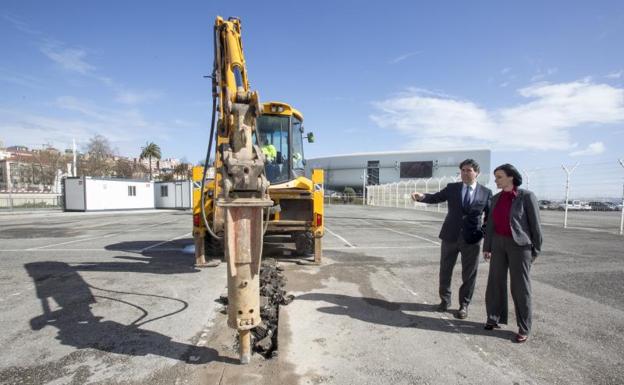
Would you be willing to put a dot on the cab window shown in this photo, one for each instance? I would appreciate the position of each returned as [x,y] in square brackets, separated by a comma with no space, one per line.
[273,141]
[297,148]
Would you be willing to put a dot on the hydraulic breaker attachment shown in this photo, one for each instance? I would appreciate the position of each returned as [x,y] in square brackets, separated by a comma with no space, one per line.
[243,251]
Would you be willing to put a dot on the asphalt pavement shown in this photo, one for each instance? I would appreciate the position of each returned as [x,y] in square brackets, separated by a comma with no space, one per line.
[113,298]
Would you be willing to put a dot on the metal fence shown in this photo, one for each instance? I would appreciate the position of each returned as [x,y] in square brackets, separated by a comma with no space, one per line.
[22,201]
[398,194]
[344,199]
[586,196]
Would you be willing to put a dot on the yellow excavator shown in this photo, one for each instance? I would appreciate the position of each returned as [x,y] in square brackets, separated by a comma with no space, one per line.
[258,186]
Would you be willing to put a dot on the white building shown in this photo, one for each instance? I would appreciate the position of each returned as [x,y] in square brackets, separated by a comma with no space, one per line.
[173,195]
[355,170]
[94,194]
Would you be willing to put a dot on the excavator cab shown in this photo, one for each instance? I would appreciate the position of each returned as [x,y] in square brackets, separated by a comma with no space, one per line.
[281,141]
[298,199]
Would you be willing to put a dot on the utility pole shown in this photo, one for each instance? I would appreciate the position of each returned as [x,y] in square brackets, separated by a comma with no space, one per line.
[364,187]
[74,173]
[622,210]
[9,183]
[567,192]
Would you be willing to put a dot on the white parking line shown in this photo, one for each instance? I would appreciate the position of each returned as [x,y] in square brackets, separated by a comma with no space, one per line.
[74,241]
[407,234]
[339,237]
[98,237]
[163,242]
[381,247]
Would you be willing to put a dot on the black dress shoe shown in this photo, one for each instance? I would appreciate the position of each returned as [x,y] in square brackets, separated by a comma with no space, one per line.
[443,306]
[462,313]
[491,326]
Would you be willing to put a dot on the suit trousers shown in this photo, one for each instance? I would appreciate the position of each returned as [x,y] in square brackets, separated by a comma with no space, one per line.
[470,263]
[507,255]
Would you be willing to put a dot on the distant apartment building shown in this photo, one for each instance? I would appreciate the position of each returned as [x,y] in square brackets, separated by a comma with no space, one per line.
[25,170]
[18,170]
[162,166]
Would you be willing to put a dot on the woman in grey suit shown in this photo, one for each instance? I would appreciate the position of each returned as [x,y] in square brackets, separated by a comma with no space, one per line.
[513,239]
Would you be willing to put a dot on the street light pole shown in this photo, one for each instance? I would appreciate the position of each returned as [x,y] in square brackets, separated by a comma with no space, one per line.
[528,179]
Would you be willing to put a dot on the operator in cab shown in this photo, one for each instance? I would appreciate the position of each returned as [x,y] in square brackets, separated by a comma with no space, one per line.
[268,149]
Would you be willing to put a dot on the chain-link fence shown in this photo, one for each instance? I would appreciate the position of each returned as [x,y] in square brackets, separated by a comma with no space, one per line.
[587,196]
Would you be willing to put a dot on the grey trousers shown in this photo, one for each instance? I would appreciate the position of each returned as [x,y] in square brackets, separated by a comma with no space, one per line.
[470,263]
[507,255]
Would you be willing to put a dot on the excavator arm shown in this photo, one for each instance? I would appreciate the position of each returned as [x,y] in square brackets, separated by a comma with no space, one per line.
[241,188]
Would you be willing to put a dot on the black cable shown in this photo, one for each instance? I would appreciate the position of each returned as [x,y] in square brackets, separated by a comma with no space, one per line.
[136,322]
[212,135]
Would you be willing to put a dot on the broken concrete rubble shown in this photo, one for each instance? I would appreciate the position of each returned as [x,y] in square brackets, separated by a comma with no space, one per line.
[272,295]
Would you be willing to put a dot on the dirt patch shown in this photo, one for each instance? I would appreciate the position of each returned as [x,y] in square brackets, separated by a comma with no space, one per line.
[272,295]
[37,232]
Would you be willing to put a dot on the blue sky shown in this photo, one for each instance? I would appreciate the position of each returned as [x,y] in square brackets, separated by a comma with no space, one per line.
[539,83]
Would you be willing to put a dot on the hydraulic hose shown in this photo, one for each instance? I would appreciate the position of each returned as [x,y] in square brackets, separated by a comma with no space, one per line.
[212,135]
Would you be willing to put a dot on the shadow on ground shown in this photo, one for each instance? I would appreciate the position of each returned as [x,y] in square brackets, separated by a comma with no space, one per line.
[149,258]
[66,300]
[395,314]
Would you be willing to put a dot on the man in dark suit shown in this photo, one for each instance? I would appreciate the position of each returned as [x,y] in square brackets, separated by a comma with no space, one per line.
[461,232]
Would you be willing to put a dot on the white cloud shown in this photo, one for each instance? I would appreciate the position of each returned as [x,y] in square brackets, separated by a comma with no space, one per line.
[80,119]
[543,122]
[541,74]
[72,59]
[505,70]
[595,148]
[399,59]
[20,24]
[615,75]
[184,124]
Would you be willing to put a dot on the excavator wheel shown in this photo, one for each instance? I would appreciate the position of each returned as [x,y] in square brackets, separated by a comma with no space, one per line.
[304,243]
[213,248]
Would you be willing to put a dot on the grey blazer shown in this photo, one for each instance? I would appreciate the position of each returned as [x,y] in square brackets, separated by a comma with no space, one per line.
[525,222]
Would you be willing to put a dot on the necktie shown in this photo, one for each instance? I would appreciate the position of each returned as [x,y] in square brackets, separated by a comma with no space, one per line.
[467,197]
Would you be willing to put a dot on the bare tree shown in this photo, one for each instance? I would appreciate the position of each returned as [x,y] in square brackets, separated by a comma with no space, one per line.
[98,155]
[167,177]
[183,171]
[48,162]
[123,168]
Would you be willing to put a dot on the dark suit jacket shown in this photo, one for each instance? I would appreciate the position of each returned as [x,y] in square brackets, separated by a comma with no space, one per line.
[525,222]
[458,220]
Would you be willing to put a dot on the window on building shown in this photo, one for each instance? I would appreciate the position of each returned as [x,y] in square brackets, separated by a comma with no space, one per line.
[164,191]
[131,191]
[372,173]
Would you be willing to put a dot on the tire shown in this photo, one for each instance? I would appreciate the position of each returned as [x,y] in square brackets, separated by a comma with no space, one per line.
[304,243]
[213,248]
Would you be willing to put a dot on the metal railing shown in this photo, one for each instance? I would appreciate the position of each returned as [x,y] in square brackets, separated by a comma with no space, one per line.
[29,201]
